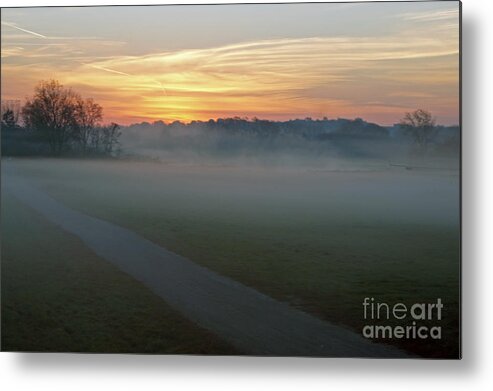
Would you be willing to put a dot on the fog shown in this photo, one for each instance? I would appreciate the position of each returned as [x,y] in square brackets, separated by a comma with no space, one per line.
[385,228]
[340,171]
[241,193]
[321,144]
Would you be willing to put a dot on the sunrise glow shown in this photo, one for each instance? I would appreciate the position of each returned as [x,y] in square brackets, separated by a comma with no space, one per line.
[179,70]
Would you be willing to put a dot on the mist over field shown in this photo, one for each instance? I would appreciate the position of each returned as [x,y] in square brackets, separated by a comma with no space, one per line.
[319,239]
[331,144]
[391,195]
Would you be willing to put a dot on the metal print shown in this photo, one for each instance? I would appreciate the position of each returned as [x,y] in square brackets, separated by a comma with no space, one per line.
[240,179]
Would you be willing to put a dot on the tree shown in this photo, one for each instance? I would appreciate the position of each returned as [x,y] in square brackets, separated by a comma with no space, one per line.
[110,135]
[104,139]
[421,126]
[66,120]
[8,119]
[52,112]
[10,113]
[88,115]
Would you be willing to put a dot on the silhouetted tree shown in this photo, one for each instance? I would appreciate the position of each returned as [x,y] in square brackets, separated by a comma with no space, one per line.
[8,119]
[65,119]
[421,126]
[10,110]
[52,112]
[88,115]
[104,139]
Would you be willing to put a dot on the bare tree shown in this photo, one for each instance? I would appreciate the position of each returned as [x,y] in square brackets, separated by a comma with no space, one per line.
[104,139]
[52,112]
[65,119]
[88,115]
[421,126]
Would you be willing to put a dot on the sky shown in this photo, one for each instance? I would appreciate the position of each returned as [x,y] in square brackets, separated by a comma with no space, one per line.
[374,61]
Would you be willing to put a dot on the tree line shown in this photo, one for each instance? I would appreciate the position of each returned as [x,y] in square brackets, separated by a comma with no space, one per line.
[417,129]
[59,121]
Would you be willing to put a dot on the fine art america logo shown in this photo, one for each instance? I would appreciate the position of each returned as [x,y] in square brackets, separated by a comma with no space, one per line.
[407,320]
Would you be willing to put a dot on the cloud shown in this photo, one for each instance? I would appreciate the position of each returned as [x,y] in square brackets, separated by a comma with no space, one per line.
[375,77]
[432,16]
[276,76]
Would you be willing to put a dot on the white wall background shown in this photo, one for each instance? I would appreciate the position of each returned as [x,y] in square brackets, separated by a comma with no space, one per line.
[475,371]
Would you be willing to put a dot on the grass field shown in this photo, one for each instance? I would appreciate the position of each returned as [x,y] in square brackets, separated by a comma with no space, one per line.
[57,296]
[322,241]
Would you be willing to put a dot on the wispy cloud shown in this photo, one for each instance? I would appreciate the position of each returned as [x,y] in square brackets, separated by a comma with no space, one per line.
[56,51]
[376,77]
[312,75]
[432,16]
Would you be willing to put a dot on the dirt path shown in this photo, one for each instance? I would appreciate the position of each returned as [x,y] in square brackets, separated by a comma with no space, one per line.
[250,320]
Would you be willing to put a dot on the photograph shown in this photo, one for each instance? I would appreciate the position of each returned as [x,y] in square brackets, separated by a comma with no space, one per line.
[278,180]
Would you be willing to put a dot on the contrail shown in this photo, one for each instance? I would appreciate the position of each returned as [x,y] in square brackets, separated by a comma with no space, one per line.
[26,31]
[125,74]
[107,70]
[90,65]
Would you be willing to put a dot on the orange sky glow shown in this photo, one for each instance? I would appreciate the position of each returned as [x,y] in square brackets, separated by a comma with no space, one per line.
[412,62]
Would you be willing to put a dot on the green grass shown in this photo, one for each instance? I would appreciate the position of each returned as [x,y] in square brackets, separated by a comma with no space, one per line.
[324,260]
[58,296]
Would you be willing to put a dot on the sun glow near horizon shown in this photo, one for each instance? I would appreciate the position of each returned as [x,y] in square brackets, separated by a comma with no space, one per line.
[308,74]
